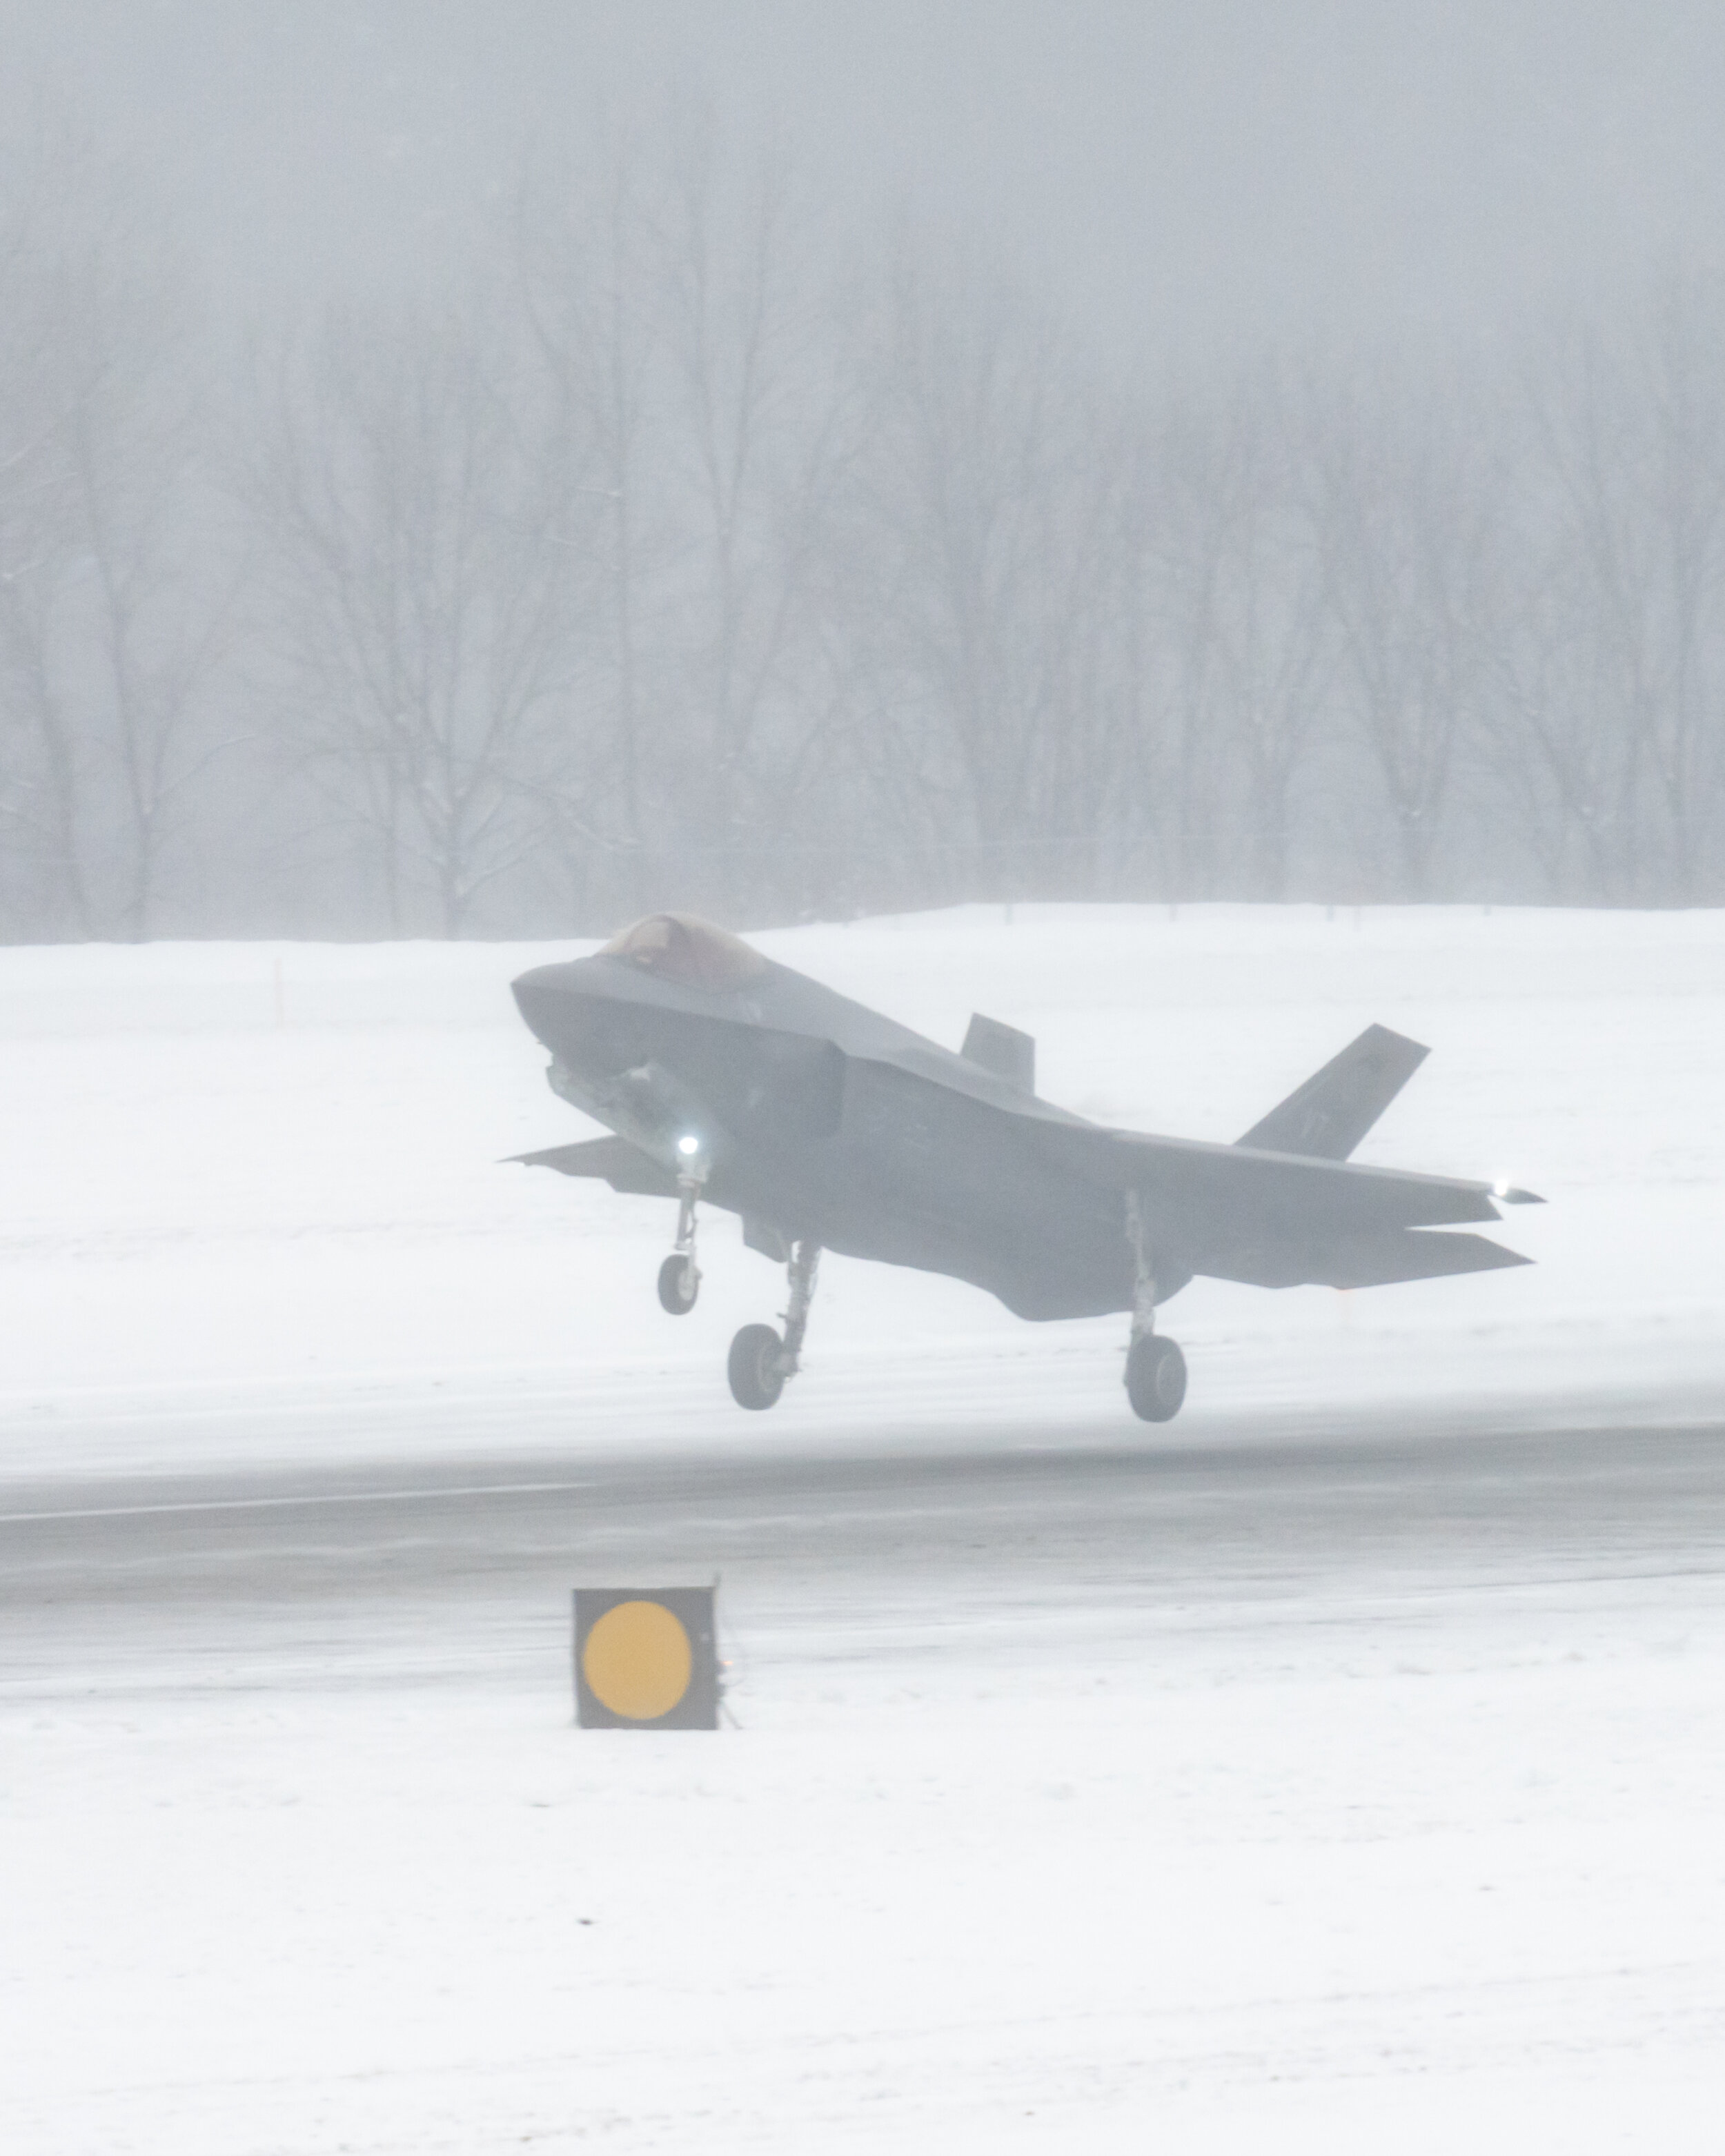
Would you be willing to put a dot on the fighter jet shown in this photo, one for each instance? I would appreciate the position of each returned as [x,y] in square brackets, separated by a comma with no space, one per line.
[726,1079]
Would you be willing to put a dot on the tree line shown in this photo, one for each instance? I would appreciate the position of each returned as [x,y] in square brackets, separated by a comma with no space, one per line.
[689,546]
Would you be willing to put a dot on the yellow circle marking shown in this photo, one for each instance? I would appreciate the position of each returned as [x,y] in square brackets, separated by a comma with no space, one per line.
[638,1660]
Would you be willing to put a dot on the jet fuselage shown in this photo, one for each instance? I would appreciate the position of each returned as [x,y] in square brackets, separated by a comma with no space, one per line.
[818,1118]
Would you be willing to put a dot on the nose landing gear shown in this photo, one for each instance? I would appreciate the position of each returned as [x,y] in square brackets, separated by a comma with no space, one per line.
[680,1277]
[1155,1368]
[679,1284]
[761,1359]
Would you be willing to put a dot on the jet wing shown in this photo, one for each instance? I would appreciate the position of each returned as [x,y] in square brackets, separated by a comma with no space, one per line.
[1278,1220]
[610,1160]
[1187,1174]
[1404,1253]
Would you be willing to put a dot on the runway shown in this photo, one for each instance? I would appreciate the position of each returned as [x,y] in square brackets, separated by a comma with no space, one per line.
[1250,1773]
[224,1577]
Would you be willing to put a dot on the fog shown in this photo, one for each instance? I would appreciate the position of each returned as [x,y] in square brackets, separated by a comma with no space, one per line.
[1179,544]
[476,470]
[1170,174]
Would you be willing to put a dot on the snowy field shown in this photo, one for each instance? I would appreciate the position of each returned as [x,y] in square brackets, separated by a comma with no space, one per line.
[241,1173]
[1353,1847]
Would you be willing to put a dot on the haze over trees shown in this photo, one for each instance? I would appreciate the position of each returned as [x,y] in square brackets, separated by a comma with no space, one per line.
[690,545]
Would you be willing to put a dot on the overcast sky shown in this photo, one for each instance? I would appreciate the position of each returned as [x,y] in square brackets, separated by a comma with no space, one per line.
[1174,170]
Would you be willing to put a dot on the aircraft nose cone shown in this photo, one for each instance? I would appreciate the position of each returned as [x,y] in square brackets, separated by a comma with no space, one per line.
[545,999]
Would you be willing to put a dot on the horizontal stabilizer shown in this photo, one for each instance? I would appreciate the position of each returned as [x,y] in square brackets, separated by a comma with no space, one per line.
[1002,1050]
[1222,1196]
[1370,1260]
[1326,1118]
[610,1160]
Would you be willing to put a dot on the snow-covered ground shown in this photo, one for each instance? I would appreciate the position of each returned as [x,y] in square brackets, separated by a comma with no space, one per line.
[240,1173]
[1375,1859]
[1410,1873]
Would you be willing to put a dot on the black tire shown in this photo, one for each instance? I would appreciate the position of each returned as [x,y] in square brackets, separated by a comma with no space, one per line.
[1155,1378]
[679,1284]
[756,1379]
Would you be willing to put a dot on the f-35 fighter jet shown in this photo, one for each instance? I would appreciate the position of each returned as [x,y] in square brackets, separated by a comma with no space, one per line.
[730,1080]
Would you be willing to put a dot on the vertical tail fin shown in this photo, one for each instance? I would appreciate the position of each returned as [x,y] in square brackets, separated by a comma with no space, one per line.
[1003,1049]
[1326,1118]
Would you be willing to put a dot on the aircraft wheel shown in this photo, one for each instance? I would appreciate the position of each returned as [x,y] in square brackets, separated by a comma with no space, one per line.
[679,1284]
[1155,1378]
[756,1379]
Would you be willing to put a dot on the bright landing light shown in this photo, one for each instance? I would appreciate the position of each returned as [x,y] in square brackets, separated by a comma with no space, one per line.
[688,1146]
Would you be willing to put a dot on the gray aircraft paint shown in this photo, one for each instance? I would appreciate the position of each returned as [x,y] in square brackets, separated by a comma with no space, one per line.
[818,1119]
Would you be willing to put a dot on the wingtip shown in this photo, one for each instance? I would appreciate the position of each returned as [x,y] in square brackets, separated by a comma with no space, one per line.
[1507,1196]
[1419,1049]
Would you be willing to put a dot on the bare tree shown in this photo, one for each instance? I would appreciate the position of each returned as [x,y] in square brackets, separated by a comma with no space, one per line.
[760,434]
[990,499]
[1402,517]
[681,327]
[1634,433]
[1275,627]
[699,557]
[588,247]
[1548,739]
[1107,793]
[112,616]
[420,602]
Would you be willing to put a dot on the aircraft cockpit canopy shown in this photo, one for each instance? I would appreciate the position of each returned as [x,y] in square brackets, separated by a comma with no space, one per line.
[691,953]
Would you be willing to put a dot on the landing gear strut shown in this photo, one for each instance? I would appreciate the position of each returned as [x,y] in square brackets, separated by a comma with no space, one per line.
[1155,1368]
[680,1277]
[761,1359]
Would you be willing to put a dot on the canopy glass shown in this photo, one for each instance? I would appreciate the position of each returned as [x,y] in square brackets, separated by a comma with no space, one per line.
[694,954]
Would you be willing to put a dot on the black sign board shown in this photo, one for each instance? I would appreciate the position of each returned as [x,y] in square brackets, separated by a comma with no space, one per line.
[645,1658]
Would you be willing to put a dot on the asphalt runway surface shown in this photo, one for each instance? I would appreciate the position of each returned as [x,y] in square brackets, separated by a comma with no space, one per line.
[461,1566]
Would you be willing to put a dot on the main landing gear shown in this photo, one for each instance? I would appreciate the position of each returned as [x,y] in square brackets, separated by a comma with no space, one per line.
[761,1359]
[1155,1368]
[680,1277]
